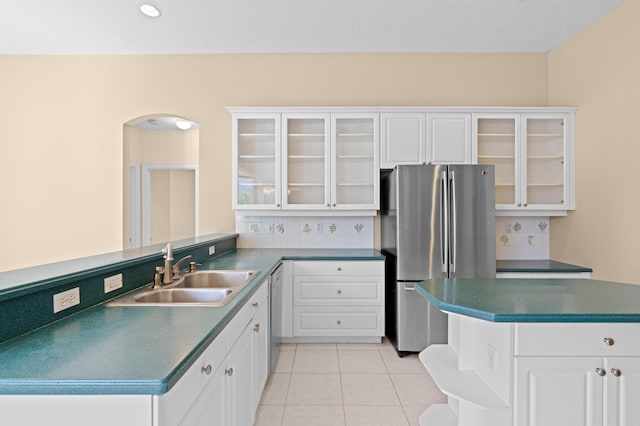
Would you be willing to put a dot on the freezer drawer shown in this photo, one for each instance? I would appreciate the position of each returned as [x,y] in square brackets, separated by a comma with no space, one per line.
[419,323]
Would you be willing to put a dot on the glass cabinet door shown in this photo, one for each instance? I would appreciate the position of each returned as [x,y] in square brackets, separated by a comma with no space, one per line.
[497,144]
[545,161]
[355,163]
[306,152]
[257,162]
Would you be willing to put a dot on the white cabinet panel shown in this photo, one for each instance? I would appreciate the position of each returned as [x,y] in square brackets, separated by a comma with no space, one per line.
[403,139]
[449,138]
[623,388]
[558,391]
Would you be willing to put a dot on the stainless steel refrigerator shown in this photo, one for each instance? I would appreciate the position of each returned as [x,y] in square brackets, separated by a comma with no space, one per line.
[437,221]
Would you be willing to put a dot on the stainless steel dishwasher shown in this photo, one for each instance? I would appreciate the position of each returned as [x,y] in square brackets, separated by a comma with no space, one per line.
[275,296]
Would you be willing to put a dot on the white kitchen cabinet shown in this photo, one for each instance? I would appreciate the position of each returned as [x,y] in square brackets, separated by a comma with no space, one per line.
[402,138]
[535,374]
[240,377]
[533,157]
[222,387]
[622,386]
[449,138]
[557,391]
[338,299]
[306,167]
[324,161]
[355,165]
[330,161]
[256,161]
[413,137]
[577,391]
[589,378]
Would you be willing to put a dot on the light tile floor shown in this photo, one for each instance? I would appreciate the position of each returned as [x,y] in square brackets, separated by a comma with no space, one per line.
[346,384]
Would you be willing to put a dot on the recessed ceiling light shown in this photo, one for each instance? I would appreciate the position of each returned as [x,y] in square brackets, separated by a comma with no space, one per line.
[183,125]
[150,10]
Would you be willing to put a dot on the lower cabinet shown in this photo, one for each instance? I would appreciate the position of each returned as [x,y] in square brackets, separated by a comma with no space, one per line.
[580,391]
[223,387]
[337,300]
[535,374]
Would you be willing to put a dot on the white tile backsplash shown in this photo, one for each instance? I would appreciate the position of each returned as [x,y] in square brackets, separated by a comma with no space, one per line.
[516,237]
[522,237]
[305,231]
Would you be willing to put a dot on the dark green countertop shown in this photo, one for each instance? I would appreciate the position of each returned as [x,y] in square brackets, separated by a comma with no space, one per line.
[537,265]
[535,300]
[135,350]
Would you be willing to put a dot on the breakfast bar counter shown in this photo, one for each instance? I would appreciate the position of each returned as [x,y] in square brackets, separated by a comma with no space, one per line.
[535,352]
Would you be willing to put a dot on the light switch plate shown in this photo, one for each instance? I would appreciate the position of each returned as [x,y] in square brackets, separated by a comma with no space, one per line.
[66,299]
[113,282]
[212,250]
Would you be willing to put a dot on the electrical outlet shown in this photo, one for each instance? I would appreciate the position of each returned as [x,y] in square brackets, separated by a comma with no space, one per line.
[66,299]
[113,282]
[212,250]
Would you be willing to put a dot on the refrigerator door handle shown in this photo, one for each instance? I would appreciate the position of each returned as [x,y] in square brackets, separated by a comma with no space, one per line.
[444,223]
[454,215]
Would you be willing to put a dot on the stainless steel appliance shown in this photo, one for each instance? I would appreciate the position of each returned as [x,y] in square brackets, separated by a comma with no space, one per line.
[275,320]
[437,221]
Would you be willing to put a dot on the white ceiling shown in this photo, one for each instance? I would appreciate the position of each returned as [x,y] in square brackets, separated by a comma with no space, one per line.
[283,26]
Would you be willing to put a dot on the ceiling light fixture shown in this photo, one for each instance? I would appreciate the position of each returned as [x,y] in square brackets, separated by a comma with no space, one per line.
[150,10]
[183,125]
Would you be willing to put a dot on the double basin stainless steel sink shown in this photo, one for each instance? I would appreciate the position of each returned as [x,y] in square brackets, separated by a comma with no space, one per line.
[199,288]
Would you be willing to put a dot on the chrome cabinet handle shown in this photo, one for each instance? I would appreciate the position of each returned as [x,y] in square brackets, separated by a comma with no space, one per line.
[229,371]
[256,328]
[207,370]
[616,372]
[454,224]
[255,304]
[339,269]
[339,291]
[601,372]
[339,322]
[608,341]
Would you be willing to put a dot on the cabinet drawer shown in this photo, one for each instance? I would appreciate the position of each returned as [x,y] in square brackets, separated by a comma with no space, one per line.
[315,290]
[331,321]
[577,339]
[339,268]
[243,317]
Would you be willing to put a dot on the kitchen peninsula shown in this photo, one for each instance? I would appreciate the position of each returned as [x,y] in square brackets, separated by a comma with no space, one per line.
[535,352]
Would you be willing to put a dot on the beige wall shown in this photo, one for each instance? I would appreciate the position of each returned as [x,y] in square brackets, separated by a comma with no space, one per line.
[598,70]
[61,125]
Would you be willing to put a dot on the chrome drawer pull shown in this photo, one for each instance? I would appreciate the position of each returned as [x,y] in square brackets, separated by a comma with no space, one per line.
[601,372]
[229,371]
[256,328]
[608,341]
[616,372]
[207,370]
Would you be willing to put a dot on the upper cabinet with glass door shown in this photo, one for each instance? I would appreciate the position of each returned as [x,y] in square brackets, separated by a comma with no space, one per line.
[306,167]
[256,165]
[305,161]
[355,171]
[533,157]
